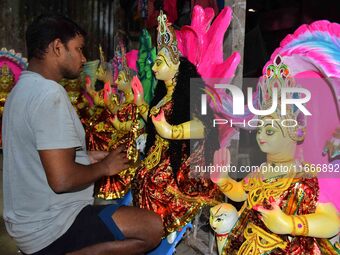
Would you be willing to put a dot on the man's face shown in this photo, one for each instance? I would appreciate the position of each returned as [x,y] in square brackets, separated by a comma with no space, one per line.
[74,59]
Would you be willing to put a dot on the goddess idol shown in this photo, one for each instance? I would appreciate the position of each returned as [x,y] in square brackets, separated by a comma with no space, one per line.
[281,213]
[11,65]
[177,137]
[127,123]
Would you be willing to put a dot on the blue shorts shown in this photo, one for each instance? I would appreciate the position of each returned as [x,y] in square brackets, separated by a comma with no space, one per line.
[93,225]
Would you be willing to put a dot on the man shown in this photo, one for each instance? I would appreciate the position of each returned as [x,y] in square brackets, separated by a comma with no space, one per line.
[48,178]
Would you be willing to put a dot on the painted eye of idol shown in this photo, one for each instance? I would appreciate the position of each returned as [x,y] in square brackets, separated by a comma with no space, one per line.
[268,129]
[121,78]
[158,62]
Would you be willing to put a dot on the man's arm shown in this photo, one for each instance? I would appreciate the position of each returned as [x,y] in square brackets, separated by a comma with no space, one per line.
[65,175]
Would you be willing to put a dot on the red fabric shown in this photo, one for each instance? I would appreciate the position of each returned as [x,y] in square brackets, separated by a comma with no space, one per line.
[149,187]
[170,8]
[116,186]
[152,15]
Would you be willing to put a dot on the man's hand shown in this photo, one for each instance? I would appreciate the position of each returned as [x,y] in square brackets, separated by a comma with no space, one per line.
[65,175]
[116,161]
[96,156]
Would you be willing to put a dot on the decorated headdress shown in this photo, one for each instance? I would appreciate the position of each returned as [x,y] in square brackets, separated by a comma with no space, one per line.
[278,76]
[120,62]
[102,63]
[12,63]
[104,71]
[166,38]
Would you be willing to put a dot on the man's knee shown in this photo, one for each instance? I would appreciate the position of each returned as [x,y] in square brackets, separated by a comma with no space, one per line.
[141,224]
[155,229]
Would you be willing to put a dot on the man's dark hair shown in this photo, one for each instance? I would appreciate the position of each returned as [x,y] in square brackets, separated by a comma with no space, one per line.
[45,29]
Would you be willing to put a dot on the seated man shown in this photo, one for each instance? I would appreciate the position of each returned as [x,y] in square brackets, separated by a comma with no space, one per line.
[48,174]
